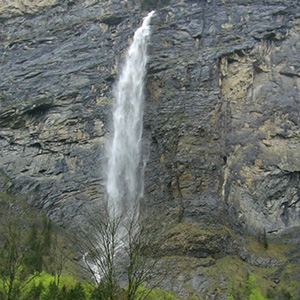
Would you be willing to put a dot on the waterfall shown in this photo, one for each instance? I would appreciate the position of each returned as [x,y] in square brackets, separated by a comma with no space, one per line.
[125,166]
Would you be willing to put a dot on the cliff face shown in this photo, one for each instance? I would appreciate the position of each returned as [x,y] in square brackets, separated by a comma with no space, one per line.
[223,112]
[58,67]
[221,116]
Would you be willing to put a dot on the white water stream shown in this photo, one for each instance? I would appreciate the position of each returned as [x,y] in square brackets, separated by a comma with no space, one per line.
[125,175]
[125,168]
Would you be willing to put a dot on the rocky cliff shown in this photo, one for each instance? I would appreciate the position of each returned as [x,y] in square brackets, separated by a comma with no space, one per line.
[223,112]
[221,115]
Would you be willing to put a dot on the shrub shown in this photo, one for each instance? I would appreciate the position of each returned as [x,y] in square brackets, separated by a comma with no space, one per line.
[255,293]
[35,292]
[265,240]
[76,293]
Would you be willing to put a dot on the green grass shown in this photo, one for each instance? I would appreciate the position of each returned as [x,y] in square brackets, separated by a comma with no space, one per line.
[277,249]
[45,279]
[156,294]
[6,196]
[160,294]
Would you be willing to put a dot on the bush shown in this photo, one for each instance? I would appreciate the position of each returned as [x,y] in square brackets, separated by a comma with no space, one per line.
[52,292]
[35,292]
[265,240]
[154,294]
[76,293]
[255,293]
[43,286]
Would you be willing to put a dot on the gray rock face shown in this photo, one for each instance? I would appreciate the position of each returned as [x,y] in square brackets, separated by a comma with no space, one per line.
[224,113]
[58,69]
[221,116]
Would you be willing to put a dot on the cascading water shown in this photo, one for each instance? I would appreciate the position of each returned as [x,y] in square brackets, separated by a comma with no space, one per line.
[125,164]
[125,168]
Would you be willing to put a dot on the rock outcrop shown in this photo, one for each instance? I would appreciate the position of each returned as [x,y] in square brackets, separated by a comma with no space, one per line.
[58,66]
[223,112]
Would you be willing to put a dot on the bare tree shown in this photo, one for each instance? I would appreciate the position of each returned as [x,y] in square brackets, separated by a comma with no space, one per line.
[11,259]
[57,257]
[144,239]
[14,274]
[122,252]
[98,244]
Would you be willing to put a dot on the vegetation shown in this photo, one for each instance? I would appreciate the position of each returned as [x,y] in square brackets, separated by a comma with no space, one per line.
[26,253]
[261,283]
[265,240]
[252,291]
[37,260]
[36,256]
[122,249]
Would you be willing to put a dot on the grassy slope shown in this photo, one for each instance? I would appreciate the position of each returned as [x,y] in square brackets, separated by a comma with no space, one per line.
[228,273]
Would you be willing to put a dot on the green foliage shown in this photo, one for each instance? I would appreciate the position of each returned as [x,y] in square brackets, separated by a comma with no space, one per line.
[159,294]
[252,291]
[25,251]
[34,292]
[255,293]
[265,240]
[286,295]
[44,287]
[42,278]
[12,272]
[76,293]
[103,291]
[33,258]
[251,283]
[46,236]
[52,292]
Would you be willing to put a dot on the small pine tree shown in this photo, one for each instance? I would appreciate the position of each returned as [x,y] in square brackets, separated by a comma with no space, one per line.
[76,293]
[286,295]
[265,240]
[34,293]
[33,258]
[46,236]
[63,293]
[11,261]
[52,293]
